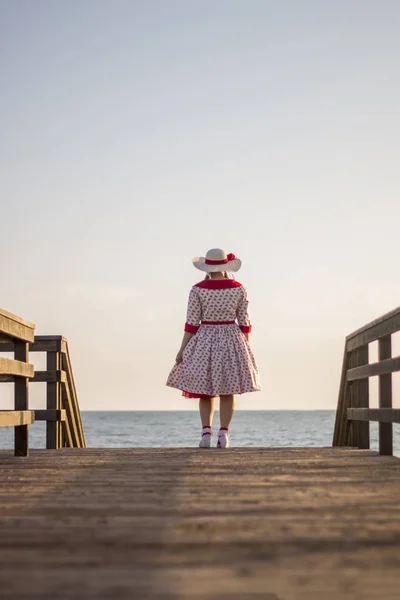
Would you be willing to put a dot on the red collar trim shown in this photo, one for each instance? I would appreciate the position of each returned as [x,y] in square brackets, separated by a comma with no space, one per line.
[218,284]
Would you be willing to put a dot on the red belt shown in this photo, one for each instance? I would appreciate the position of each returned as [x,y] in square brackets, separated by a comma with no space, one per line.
[218,322]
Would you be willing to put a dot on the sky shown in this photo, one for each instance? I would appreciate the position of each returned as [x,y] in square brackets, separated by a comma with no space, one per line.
[138,134]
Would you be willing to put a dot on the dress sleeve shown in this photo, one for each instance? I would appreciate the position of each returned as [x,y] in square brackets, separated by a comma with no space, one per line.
[242,313]
[193,316]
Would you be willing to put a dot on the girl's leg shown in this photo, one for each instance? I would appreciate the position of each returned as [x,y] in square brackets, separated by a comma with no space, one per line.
[226,408]
[206,407]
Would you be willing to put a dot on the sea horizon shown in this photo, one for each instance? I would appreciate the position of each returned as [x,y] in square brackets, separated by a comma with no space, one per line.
[160,410]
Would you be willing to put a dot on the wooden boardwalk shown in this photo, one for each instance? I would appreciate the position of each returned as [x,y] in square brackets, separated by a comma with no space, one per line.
[287,524]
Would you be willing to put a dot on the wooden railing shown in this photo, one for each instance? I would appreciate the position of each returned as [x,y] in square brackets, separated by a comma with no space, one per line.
[62,414]
[64,423]
[353,412]
[18,333]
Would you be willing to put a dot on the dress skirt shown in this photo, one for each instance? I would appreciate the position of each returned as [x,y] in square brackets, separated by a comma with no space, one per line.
[216,361]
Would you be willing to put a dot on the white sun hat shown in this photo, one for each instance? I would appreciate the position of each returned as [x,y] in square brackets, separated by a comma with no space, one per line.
[217,260]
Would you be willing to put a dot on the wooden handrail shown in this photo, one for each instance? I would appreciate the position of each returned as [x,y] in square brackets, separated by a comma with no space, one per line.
[62,414]
[353,413]
[385,325]
[15,328]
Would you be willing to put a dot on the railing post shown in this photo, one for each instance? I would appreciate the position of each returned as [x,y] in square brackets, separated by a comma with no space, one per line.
[21,400]
[360,399]
[341,431]
[54,437]
[385,398]
[351,402]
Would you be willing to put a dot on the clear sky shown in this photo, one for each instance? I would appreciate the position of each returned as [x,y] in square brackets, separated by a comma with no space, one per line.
[138,134]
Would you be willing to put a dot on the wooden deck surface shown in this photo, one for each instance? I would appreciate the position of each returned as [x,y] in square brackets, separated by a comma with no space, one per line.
[274,524]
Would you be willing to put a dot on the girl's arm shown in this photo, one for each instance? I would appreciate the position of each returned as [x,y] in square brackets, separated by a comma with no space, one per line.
[193,318]
[243,316]
[186,337]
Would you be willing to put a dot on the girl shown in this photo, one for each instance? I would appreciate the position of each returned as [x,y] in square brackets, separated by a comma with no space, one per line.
[215,358]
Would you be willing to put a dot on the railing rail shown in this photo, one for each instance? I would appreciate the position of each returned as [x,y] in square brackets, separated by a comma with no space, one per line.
[62,414]
[353,412]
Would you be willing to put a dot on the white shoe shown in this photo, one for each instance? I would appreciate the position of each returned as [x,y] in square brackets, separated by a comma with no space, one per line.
[205,441]
[223,439]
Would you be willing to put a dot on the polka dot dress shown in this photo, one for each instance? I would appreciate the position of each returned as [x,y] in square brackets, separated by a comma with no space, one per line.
[218,359]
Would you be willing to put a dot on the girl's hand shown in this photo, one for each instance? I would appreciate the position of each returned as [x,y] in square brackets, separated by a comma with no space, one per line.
[179,357]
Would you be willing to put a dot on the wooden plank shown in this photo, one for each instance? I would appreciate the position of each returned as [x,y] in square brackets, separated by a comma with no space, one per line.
[54,376]
[53,402]
[139,524]
[15,327]
[341,411]
[385,398]
[66,365]
[384,415]
[360,399]
[38,345]
[21,399]
[6,345]
[351,400]
[4,339]
[16,368]
[7,379]
[384,367]
[48,343]
[345,431]
[15,418]
[17,319]
[363,397]
[383,326]
[67,436]
[72,425]
[50,415]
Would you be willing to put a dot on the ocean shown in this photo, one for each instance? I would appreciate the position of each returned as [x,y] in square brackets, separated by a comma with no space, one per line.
[179,429]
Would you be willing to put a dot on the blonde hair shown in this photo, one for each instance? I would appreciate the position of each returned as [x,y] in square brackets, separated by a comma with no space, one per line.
[225,274]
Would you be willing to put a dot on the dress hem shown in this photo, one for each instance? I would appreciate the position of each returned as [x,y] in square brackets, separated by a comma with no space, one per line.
[187,394]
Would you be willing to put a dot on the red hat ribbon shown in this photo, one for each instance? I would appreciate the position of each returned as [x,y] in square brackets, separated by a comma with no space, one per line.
[228,258]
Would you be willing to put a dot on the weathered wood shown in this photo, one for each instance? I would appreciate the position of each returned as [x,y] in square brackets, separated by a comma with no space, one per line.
[359,394]
[67,403]
[385,325]
[48,343]
[15,368]
[340,434]
[385,415]
[50,415]
[15,418]
[73,397]
[4,339]
[39,344]
[363,397]
[67,435]
[390,365]
[140,524]
[53,402]
[385,398]
[55,376]
[354,386]
[7,379]
[64,423]
[15,327]
[346,425]
[21,399]
[61,392]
